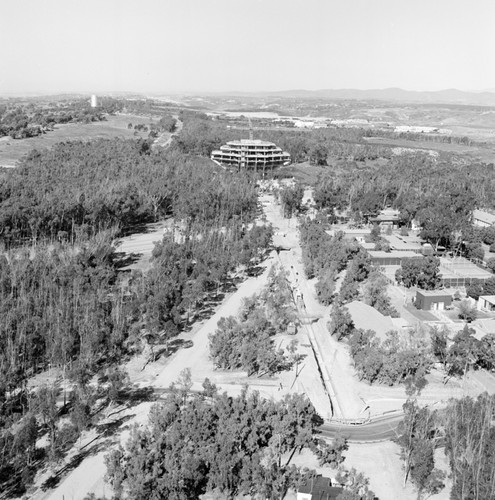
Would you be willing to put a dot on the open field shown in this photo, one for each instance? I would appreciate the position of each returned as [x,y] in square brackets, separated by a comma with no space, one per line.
[486,154]
[304,173]
[12,150]
[381,463]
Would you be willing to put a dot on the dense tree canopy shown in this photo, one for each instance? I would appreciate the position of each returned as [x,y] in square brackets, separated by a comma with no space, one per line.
[398,359]
[81,187]
[194,444]
[421,272]
[321,251]
[466,426]
[66,304]
[245,342]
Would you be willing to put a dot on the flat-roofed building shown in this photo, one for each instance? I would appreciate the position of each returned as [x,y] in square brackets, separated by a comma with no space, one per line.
[483,219]
[486,325]
[436,300]
[351,233]
[368,318]
[403,243]
[387,217]
[251,154]
[395,258]
[486,302]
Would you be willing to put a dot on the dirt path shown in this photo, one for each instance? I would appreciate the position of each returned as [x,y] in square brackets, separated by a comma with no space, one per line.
[88,476]
[336,363]
[141,244]
[165,138]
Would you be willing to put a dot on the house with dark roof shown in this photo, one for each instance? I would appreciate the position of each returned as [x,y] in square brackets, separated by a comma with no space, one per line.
[438,300]
[318,488]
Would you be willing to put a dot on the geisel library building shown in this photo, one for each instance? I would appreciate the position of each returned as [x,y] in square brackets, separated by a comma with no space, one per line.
[251,154]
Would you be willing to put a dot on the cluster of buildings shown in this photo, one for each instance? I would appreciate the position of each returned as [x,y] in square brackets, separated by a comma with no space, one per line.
[421,129]
[455,271]
[440,300]
[431,306]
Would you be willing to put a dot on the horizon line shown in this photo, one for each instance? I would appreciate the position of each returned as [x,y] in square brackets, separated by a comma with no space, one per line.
[40,93]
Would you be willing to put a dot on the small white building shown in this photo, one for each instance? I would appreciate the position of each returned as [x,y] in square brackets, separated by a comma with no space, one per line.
[94,101]
[303,124]
[486,303]
[483,219]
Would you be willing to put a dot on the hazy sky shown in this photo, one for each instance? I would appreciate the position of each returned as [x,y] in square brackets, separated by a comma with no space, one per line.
[221,45]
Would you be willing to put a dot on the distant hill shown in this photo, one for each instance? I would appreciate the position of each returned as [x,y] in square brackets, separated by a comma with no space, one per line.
[451,96]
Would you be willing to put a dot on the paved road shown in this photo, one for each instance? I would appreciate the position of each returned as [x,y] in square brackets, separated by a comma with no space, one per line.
[381,429]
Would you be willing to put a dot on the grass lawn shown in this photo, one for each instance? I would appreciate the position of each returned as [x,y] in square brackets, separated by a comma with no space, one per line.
[420,314]
[12,150]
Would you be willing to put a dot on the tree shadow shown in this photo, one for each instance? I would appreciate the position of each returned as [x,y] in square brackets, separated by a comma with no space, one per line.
[122,259]
[108,429]
[172,347]
[134,396]
[203,314]
[54,480]
[105,430]
[145,226]
[255,271]
[317,422]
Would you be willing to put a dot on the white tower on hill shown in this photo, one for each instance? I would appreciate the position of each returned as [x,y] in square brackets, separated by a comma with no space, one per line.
[94,101]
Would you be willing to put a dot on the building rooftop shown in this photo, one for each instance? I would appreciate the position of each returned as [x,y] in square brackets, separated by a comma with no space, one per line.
[365,230]
[368,318]
[387,215]
[401,243]
[400,323]
[385,218]
[368,246]
[250,142]
[483,216]
[434,293]
[320,488]
[390,255]
[488,298]
[486,325]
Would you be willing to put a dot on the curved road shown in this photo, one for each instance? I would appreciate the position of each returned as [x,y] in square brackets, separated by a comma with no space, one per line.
[380,429]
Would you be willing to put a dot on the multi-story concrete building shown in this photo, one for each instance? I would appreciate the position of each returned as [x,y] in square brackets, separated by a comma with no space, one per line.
[250,154]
